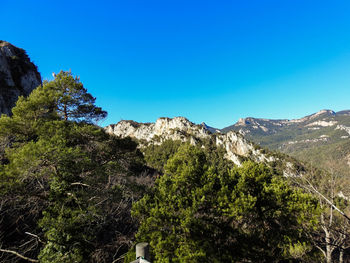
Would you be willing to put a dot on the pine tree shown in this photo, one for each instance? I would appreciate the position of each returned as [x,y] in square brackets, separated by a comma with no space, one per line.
[73,100]
[198,214]
[64,180]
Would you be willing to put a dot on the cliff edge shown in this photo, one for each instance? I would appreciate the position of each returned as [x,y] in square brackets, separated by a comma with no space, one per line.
[18,76]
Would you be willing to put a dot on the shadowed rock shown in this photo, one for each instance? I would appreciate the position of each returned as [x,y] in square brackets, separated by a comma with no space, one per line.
[18,76]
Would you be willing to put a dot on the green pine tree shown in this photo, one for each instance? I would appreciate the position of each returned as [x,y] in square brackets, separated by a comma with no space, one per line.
[63,179]
[196,214]
[73,100]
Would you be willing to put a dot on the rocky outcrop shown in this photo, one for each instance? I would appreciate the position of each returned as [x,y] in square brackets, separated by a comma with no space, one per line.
[179,128]
[18,76]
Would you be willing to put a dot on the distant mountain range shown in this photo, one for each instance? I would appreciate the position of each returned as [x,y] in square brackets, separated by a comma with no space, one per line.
[322,139]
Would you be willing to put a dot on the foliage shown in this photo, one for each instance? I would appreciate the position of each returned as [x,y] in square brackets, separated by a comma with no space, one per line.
[66,183]
[199,214]
[156,156]
[73,102]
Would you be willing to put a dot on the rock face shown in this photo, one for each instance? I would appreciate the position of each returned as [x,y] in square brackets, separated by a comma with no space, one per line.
[18,76]
[179,128]
[322,138]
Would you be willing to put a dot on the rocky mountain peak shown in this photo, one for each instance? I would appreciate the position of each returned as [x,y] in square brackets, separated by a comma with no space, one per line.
[18,76]
[181,129]
[330,112]
[164,128]
[314,116]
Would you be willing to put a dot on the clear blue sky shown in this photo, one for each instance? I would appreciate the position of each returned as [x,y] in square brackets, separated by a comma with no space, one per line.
[212,61]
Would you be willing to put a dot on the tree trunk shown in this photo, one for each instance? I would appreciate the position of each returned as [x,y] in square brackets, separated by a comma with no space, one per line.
[65,112]
[341,255]
[329,248]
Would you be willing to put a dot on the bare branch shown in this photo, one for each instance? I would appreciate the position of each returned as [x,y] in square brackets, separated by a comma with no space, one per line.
[78,183]
[312,188]
[121,257]
[33,235]
[18,255]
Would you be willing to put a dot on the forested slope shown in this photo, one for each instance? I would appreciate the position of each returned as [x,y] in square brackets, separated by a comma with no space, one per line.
[322,139]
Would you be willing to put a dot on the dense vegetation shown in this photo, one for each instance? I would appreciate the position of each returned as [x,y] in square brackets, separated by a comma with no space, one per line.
[66,186]
[72,193]
[199,214]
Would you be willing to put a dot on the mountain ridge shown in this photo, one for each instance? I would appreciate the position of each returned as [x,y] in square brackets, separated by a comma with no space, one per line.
[321,138]
[247,120]
[237,148]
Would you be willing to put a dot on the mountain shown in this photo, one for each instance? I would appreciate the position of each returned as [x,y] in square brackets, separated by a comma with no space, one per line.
[237,148]
[211,129]
[18,76]
[323,138]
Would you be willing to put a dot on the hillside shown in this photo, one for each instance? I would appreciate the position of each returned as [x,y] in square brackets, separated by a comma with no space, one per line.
[321,138]
[236,147]
[18,76]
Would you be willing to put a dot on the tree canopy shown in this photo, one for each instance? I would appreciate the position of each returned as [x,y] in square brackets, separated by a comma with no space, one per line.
[73,102]
[245,214]
[66,186]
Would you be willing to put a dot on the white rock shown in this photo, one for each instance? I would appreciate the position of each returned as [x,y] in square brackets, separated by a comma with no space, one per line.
[344,128]
[323,123]
[179,128]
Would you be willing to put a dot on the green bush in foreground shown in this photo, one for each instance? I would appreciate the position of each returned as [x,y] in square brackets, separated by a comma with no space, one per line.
[196,214]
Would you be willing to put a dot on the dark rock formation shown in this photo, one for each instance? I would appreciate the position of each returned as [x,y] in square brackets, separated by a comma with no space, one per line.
[18,76]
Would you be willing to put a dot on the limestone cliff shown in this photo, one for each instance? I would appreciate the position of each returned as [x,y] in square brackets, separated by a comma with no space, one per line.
[18,76]
[179,128]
